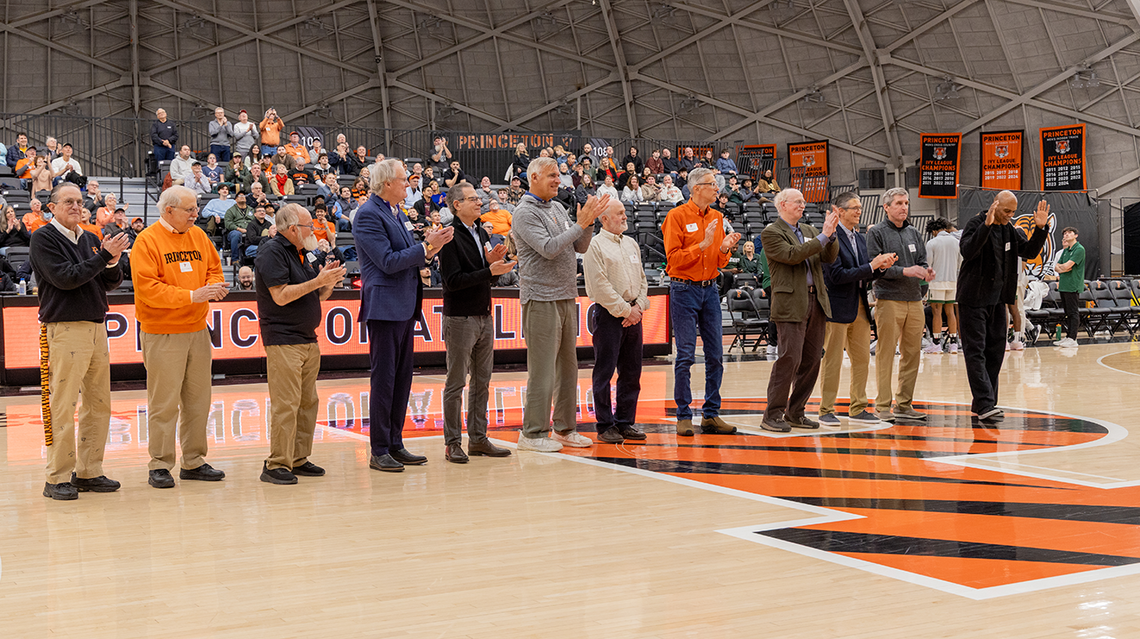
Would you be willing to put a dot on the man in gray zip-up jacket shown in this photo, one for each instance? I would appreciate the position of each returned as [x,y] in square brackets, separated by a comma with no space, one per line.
[899,316]
[547,240]
[221,136]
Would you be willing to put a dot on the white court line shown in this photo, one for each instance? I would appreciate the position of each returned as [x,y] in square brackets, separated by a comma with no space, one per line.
[1113,368]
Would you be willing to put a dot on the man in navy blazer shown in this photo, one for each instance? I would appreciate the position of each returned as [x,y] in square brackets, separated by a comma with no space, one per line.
[849,326]
[390,302]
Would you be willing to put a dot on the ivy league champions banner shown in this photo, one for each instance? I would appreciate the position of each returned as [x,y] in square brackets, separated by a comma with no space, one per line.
[751,160]
[938,165]
[1002,152]
[1063,158]
[810,155]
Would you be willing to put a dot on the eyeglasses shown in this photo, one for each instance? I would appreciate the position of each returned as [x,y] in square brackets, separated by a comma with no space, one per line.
[307,226]
[712,184]
[474,198]
[191,208]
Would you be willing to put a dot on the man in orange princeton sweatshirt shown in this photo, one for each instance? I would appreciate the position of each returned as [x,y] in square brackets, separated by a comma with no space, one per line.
[176,272]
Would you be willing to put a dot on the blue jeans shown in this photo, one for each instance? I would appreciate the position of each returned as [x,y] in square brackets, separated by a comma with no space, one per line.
[251,251]
[343,224]
[692,309]
[222,152]
[163,153]
[268,151]
[235,242]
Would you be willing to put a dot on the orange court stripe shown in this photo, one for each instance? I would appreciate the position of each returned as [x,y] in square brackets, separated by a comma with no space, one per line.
[974,573]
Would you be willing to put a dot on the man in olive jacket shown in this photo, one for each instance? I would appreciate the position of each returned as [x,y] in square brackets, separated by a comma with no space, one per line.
[800,307]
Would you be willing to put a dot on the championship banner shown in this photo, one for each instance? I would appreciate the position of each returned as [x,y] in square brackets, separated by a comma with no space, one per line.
[753,159]
[309,134]
[1063,158]
[1002,153]
[235,334]
[813,156]
[938,165]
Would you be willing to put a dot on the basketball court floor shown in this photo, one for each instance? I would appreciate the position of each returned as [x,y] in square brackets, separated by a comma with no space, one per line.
[938,529]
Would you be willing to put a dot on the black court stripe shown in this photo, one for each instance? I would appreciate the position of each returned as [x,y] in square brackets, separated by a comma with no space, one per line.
[850,542]
[1128,515]
[854,452]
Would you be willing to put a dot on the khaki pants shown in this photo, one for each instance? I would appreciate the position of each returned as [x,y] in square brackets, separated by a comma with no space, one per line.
[78,362]
[292,374]
[551,331]
[899,324]
[177,396]
[856,339]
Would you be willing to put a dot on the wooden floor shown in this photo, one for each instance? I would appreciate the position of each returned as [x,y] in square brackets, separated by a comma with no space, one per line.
[948,529]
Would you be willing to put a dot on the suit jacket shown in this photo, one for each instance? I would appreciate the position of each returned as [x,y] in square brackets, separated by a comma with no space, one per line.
[848,279]
[466,275]
[983,248]
[788,264]
[390,260]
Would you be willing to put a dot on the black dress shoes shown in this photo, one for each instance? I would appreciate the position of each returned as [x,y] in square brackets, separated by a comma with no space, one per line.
[629,432]
[160,478]
[98,484]
[406,457]
[455,454]
[205,472]
[610,436]
[385,463]
[62,492]
[775,424]
[309,469]
[281,476]
[487,449]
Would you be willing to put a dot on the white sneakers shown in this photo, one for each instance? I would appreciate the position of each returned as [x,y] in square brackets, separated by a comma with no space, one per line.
[538,444]
[932,349]
[1067,342]
[953,348]
[573,439]
[1016,345]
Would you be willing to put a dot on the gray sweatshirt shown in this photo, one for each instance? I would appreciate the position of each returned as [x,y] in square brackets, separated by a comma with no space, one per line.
[907,244]
[221,135]
[546,239]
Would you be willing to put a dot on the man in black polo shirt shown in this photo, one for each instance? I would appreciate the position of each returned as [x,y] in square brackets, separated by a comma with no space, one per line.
[289,295]
[468,269]
[75,271]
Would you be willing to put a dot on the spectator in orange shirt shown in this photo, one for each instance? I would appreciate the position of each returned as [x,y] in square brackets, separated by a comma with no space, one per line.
[25,165]
[106,213]
[36,218]
[500,218]
[323,229]
[270,129]
[86,225]
[297,150]
[696,247]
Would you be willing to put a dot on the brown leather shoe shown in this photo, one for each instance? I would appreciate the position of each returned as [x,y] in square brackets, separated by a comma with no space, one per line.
[487,449]
[685,427]
[716,426]
[455,454]
[801,421]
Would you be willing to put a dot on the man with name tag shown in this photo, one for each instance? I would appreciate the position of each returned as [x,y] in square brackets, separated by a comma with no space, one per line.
[177,273]
[696,248]
[987,282]
[899,315]
[547,240]
[469,267]
[391,302]
[616,282]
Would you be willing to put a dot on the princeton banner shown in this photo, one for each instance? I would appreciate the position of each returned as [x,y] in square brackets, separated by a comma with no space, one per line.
[1002,153]
[1063,158]
[938,165]
[753,159]
[810,155]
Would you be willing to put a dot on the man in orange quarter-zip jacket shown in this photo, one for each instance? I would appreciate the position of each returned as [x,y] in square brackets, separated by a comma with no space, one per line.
[176,273]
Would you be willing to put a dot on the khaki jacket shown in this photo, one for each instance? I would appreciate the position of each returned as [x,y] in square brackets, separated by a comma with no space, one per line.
[788,263]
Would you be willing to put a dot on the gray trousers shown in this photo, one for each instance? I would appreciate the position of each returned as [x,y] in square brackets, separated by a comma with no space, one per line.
[470,343]
[551,331]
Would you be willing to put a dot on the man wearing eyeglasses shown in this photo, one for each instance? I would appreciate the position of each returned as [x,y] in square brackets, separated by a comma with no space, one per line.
[696,248]
[75,270]
[289,295]
[800,307]
[469,267]
[176,273]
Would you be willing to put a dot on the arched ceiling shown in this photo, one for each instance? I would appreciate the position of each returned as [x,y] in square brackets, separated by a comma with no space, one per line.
[869,75]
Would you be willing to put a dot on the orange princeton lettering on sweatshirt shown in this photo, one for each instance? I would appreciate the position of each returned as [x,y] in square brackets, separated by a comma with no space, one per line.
[166,268]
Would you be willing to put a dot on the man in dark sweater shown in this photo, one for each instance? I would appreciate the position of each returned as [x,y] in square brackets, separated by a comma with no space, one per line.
[987,282]
[468,270]
[256,231]
[75,270]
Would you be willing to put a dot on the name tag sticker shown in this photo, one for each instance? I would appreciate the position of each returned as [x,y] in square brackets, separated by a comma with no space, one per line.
[1007,246]
[185,267]
[911,247]
[691,228]
[312,258]
[409,226]
[633,259]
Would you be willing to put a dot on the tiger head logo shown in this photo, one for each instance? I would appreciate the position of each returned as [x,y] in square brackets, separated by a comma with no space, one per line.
[1001,151]
[1062,146]
[939,153]
[1040,265]
[809,160]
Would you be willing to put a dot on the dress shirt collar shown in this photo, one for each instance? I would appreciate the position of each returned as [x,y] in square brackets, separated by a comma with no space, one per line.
[68,233]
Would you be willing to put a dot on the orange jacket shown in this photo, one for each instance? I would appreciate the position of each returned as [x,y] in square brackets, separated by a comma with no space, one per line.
[166,268]
[683,230]
[271,131]
[33,222]
[298,151]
